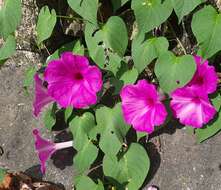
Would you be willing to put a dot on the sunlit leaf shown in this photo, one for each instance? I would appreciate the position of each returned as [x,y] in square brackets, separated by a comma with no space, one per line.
[8,48]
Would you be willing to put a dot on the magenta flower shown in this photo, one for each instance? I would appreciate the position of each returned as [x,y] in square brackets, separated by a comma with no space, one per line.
[142,107]
[205,77]
[42,97]
[46,148]
[72,81]
[192,106]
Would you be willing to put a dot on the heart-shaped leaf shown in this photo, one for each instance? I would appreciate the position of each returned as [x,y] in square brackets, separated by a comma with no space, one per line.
[131,169]
[86,9]
[150,13]
[8,48]
[145,52]
[184,7]
[112,129]
[84,183]
[46,23]
[170,69]
[10,17]
[118,3]
[206,26]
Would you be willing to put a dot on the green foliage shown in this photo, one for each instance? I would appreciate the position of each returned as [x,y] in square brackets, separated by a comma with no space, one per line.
[170,71]
[184,7]
[50,117]
[214,126]
[46,23]
[10,17]
[111,126]
[206,26]
[2,174]
[145,52]
[76,47]
[118,3]
[131,169]
[29,77]
[85,182]
[150,13]
[8,48]
[86,9]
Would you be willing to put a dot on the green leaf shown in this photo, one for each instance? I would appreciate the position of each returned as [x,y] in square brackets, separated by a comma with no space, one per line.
[141,135]
[206,26]
[112,129]
[144,53]
[29,77]
[170,69]
[86,9]
[114,63]
[115,35]
[132,168]
[76,47]
[213,127]
[184,7]
[67,113]
[2,174]
[130,76]
[49,117]
[8,48]
[46,23]
[92,39]
[80,127]
[85,183]
[85,157]
[150,13]
[10,17]
[118,3]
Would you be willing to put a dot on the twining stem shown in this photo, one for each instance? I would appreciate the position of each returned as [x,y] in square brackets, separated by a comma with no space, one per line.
[94,168]
[71,17]
[177,39]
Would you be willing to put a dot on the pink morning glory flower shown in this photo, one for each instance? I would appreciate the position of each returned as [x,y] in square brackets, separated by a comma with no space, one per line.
[205,77]
[142,107]
[42,97]
[192,106]
[72,81]
[46,148]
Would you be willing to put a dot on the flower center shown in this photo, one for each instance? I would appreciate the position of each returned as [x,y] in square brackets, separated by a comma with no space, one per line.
[200,80]
[196,100]
[150,101]
[78,76]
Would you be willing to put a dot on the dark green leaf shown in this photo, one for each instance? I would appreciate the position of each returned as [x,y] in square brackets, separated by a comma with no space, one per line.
[2,175]
[118,3]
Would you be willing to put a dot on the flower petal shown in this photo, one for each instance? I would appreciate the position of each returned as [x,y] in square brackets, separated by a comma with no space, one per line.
[42,97]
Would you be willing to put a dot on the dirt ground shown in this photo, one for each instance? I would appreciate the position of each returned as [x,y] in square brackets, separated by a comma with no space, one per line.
[177,162]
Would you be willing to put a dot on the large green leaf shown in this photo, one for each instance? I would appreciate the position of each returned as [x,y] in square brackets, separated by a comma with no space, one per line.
[115,35]
[85,157]
[8,48]
[213,127]
[80,127]
[10,17]
[145,52]
[46,23]
[184,7]
[86,9]
[112,129]
[132,168]
[85,183]
[150,13]
[174,72]
[206,26]
[118,3]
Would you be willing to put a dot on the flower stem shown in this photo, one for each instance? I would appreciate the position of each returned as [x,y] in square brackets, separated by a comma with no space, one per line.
[62,145]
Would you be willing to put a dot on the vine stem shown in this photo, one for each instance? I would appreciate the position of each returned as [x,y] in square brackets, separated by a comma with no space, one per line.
[94,168]
[177,39]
